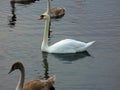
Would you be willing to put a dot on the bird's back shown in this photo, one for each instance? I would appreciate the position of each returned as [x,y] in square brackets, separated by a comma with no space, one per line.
[38,85]
[66,46]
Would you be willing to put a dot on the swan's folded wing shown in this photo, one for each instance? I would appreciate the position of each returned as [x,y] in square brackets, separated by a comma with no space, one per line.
[66,46]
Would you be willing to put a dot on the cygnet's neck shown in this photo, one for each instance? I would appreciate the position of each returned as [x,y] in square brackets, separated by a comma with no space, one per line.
[21,79]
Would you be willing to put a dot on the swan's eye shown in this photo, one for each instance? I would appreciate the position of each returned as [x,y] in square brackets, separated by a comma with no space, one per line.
[42,16]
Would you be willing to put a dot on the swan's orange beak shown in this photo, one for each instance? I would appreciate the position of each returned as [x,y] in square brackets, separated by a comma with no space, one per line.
[40,18]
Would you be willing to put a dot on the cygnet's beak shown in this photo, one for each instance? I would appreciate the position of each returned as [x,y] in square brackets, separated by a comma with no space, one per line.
[10,71]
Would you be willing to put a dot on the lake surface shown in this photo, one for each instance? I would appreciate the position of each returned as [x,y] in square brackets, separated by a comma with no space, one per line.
[85,20]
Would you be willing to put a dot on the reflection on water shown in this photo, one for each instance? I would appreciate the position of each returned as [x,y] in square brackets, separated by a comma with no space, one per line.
[63,57]
[12,19]
[23,1]
[45,65]
[72,57]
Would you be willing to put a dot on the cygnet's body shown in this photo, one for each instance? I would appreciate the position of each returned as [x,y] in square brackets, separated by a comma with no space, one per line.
[33,84]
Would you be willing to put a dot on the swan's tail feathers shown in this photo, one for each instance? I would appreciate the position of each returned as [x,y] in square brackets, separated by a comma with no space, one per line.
[90,43]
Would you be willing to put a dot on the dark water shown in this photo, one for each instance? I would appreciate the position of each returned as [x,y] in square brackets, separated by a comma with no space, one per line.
[86,20]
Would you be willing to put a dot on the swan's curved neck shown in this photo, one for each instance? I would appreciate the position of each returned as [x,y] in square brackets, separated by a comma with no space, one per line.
[45,36]
[21,79]
[48,7]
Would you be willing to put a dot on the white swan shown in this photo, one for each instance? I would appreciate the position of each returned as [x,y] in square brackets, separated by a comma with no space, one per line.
[63,46]
[33,84]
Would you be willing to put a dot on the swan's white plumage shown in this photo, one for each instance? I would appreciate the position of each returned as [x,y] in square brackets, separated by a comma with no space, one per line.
[68,46]
[63,46]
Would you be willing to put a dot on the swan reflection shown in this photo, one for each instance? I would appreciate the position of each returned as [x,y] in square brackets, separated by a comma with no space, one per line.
[23,1]
[45,65]
[13,18]
[72,57]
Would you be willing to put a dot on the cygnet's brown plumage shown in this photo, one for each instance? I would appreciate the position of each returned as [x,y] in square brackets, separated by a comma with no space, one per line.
[57,12]
[33,84]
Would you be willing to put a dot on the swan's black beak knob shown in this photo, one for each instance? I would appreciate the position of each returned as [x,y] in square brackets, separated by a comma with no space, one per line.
[41,17]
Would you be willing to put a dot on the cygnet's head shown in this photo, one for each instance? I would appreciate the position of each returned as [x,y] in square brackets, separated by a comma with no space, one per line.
[16,65]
